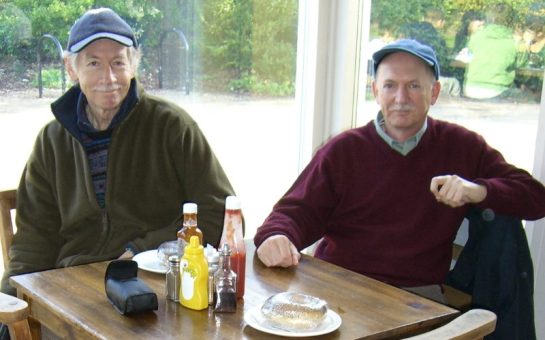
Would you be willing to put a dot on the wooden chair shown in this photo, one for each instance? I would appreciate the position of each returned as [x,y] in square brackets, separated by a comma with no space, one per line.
[472,325]
[14,313]
[7,204]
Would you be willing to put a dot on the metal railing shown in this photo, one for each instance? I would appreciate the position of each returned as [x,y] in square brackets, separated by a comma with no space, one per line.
[186,79]
[60,50]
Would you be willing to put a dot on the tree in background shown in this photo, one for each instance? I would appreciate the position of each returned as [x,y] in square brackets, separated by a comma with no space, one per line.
[244,46]
[392,14]
[249,46]
[15,30]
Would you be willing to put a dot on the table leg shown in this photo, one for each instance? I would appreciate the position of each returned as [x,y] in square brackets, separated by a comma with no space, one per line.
[35,329]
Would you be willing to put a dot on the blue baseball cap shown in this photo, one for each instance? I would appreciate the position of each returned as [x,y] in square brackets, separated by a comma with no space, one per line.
[424,52]
[98,24]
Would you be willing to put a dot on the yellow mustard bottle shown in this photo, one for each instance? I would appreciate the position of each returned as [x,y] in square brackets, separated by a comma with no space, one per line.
[194,272]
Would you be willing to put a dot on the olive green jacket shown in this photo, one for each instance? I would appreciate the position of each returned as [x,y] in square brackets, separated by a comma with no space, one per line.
[158,158]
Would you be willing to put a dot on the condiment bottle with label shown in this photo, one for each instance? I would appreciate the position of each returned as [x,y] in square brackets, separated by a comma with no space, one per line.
[173,278]
[232,235]
[225,283]
[189,224]
[194,276]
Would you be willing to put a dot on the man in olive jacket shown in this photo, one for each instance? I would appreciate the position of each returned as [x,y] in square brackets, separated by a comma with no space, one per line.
[109,175]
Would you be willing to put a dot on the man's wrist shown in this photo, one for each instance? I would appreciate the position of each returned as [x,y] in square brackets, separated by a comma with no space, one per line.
[131,247]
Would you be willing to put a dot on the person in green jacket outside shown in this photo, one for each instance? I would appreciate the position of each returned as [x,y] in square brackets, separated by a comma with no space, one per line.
[108,176]
[494,57]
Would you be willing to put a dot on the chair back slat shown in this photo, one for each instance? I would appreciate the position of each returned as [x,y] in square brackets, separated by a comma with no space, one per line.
[7,204]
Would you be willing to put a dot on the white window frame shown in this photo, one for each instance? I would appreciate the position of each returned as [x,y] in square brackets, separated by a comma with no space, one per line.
[327,69]
[535,230]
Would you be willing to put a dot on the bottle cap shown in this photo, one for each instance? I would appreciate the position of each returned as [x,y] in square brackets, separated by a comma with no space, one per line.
[174,259]
[190,208]
[194,247]
[232,203]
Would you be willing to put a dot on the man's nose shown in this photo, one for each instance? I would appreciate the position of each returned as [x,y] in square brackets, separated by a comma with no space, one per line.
[108,74]
[402,95]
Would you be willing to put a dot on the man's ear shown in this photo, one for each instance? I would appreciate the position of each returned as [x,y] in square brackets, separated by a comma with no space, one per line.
[436,90]
[375,90]
[70,70]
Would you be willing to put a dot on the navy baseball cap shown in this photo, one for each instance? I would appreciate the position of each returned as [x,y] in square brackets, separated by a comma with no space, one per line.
[413,47]
[98,24]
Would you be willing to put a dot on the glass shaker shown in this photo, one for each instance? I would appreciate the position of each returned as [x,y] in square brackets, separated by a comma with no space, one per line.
[173,279]
[213,258]
[225,284]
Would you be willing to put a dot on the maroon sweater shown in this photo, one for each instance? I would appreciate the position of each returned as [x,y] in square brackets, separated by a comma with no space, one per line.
[374,209]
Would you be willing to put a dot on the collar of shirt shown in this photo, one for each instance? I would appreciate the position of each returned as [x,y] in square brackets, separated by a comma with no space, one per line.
[402,147]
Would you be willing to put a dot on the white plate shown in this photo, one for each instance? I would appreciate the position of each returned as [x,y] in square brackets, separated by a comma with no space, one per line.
[148,260]
[255,319]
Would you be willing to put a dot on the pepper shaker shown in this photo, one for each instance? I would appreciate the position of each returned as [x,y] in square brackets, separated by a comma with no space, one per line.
[173,279]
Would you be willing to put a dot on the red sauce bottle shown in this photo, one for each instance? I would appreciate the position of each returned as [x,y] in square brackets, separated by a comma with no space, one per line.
[232,235]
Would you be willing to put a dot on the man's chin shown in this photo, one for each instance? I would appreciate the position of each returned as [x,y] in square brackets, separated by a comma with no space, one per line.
[110,101]
[109,106]
[400,121]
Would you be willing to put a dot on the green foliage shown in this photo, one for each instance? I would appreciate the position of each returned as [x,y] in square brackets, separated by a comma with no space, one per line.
[275,41]
[55,17]
[250,44]
[51,78]
[15,30]
[227,36]
[252,84]
[392,14]
[388,15]
[244,46]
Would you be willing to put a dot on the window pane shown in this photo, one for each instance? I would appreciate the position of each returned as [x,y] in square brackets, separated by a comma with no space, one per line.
[230,64]
[491,59]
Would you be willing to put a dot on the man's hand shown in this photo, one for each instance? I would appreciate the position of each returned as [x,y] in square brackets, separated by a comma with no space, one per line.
[278,250]
[455,191]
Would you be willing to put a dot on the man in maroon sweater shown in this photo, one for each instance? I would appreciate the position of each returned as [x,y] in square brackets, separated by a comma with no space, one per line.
[388,198]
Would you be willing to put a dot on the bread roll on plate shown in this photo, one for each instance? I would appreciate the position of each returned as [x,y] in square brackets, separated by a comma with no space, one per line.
[294,311]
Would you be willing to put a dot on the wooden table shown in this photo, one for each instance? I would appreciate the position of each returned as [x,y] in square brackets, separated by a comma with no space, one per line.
[72,303]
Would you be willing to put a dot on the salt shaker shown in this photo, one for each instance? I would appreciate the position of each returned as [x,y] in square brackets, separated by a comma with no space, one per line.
[213,259]
[173,279]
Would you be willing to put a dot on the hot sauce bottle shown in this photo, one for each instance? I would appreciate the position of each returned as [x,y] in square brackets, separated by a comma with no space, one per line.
[232,235]
[189,224]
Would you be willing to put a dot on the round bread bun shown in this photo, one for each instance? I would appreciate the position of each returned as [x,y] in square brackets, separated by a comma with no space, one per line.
[294,311]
